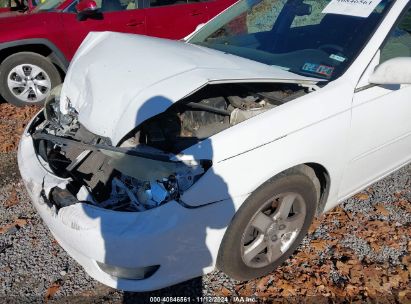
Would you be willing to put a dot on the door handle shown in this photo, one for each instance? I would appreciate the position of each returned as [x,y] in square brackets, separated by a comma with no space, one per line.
[134,23]
[196,13]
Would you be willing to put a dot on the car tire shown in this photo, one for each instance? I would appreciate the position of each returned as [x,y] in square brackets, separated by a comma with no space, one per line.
[266,209]
[27,78]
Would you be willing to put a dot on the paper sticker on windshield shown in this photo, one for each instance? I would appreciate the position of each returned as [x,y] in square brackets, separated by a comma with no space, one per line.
[357,8]
[325,70]
[321,69]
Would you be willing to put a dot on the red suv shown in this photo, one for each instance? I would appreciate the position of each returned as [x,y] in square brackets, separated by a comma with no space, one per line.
[36,47]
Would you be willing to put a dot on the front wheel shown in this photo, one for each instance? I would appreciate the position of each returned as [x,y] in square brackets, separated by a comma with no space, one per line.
[270,225]
[27,78]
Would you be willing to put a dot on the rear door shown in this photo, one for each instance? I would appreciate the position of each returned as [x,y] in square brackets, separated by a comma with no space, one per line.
[174,19]
[124,16]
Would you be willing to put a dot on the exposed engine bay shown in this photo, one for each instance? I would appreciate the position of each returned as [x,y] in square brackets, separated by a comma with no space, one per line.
[139,174]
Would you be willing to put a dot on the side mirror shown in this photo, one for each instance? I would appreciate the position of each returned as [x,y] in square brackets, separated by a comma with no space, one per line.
[393,71]
[87,9]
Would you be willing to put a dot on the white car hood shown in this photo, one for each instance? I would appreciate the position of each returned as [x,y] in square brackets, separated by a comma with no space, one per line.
[116,81]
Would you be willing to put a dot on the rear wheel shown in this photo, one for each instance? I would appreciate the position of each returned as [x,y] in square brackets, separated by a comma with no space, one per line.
[270,225]
[27,78]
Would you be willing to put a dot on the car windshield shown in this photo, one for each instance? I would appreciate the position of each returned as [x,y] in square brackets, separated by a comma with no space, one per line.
[47,5]
[317,38]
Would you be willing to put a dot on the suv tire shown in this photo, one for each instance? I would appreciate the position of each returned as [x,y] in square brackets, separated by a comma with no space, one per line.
[27,78]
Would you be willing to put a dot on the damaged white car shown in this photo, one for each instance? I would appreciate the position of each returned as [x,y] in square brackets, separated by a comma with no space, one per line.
[160,160]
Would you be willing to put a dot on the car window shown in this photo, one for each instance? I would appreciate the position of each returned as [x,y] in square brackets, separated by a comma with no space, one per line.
[399,42]
[5,3]
[156,3]
[300,36]
[115,5]
[109,5]
[11,3]
[48,5]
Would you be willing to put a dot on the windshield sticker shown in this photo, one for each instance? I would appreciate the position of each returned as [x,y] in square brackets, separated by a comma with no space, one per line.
[337,58]
[310,67]
[321,69]
[357,8]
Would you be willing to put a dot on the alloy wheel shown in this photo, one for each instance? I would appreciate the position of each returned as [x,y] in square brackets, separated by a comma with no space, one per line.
[273,229]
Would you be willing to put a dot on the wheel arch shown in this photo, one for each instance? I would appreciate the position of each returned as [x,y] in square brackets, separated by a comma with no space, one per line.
[42,47]
[315,171]
[324,179]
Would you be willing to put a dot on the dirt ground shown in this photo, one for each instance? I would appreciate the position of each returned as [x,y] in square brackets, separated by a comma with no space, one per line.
[358,252]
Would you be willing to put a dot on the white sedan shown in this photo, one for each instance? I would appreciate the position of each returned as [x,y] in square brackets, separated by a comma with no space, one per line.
[161,160]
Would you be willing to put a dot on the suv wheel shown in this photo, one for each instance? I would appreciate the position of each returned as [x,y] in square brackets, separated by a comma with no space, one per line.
[27,78]
[270,225]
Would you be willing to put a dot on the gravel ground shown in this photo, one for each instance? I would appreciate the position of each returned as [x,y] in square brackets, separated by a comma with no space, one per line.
[358,252]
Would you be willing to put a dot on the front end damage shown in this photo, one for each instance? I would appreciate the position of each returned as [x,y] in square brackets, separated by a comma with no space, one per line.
[119,209]
[133,251]
[148,168]
[126,178]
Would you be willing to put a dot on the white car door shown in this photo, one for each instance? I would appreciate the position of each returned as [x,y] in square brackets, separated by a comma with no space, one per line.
[380,140]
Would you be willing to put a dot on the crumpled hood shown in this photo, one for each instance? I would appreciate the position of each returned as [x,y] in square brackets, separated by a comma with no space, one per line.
[116,81]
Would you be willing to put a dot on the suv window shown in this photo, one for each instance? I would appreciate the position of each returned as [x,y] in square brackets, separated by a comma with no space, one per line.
[109,5]
[4,3]
[9,4]
[155,3]
[115,5]
[399,41]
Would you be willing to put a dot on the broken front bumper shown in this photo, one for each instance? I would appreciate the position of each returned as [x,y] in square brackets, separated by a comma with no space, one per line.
[183,243]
